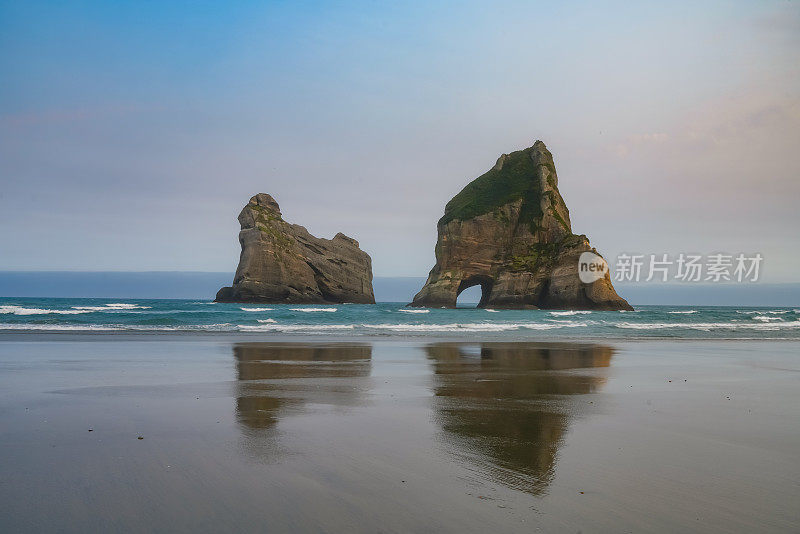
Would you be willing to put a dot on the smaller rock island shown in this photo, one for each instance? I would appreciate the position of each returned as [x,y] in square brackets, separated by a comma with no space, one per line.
[282,263]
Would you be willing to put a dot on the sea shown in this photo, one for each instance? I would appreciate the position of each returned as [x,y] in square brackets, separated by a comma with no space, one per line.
[393,319]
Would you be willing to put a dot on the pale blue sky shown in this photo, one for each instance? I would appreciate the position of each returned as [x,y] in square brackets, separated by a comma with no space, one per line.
[131,133]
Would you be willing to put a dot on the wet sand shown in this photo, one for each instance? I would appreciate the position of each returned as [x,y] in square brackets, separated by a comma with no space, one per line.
[397,436]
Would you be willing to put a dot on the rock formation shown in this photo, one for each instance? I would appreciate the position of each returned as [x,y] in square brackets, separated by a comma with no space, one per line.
[283,263]
[509,232]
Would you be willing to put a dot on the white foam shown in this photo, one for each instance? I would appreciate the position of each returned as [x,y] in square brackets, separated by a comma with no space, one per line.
[683,312]
[568,323]
[759,312]
[309,310]
[766,318]
[452,327]
[473,327]
[20,310]
[569,312]
[115,306]
[708,326]
[256,309]
[58,327]
[295,327]
[491,310]
[406,310]
[113,327]
[266,320]
[125,306]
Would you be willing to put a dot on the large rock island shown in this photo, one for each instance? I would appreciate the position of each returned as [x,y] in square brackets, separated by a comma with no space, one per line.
[283,263]
[509,232]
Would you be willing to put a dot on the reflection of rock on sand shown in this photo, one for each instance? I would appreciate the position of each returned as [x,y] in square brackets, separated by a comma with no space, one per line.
[275,377]
[504,407]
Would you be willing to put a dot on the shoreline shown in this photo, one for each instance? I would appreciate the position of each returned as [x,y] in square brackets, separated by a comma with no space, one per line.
[131,335]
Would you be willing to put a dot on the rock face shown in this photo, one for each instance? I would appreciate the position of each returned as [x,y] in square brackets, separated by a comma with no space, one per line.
[283,263]
[509,232]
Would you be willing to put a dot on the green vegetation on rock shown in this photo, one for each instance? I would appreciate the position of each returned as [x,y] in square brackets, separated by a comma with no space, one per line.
[514,180]
[543,254]
[264,213]
[539,254]
[264,224]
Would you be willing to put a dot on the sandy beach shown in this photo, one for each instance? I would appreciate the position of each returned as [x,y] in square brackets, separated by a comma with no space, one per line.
[397,435]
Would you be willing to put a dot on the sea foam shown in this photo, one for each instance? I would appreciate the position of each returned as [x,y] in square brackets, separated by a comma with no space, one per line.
[20,310]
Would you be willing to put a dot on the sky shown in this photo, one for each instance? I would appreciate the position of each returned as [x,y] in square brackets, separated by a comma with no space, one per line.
[132,133]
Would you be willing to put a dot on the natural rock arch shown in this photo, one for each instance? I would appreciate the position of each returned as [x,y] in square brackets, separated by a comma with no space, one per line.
[485,284]
[509,230]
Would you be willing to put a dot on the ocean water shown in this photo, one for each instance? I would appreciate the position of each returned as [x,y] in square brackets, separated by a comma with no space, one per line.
[394,319]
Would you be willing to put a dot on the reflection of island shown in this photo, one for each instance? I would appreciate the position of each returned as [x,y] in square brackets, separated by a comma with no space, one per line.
[504,407]
[275,377]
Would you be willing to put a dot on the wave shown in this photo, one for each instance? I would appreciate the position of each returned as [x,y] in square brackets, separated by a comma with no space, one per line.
[708,326]
[687,312]
[569,312]
[405,310]
[256,309]
[309,310]
[295,327]
[758,312]
[109,308]
[218,327]
[266,320]
[112,307]
[60,327]
[471,327]
[453,327]
[406,327]
[20,310]
[491,310]
[567,322]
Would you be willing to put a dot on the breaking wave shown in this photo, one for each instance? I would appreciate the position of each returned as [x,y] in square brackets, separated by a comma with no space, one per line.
[309,328]
[708,326]
[20,310]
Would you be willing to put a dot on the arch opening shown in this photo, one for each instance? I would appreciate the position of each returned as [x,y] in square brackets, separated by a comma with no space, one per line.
[466,298]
